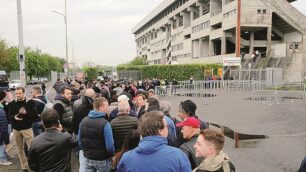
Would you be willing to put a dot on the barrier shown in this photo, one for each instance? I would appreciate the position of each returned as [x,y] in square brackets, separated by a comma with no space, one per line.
[230,85]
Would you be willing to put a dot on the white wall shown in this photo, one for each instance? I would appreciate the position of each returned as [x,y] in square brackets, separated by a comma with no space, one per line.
[293,37]
[279,49]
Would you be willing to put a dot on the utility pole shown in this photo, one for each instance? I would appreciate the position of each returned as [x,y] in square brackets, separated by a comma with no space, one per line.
[66,31]
[21,56]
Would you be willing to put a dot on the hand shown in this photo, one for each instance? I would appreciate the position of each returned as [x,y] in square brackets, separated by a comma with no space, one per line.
[22,111]
[17,118]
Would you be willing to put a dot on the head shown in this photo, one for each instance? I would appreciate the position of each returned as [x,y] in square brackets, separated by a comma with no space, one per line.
[90,93]
[141,100]
[66,93]
[151,92]
[50,118]
[152,102]
[187,109]
[101,104]
[209,143]
[190,127]
[123,98]
[153,124]
[165,107]
[2,95]
[19,91]
[36,91]
[124,107]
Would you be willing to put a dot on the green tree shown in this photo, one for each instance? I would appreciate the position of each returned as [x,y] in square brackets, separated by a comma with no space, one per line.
[91,73]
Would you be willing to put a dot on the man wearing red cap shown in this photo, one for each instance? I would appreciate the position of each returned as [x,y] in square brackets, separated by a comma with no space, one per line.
[190,131]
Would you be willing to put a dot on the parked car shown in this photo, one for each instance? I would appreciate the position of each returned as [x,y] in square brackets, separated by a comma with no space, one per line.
[4,83]
[15,83]
[43,79]
[34,81]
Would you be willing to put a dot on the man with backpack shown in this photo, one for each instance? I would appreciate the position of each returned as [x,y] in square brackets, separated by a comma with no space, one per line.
[40,102]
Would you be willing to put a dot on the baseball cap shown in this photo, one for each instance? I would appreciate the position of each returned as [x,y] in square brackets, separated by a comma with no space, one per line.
[189,121]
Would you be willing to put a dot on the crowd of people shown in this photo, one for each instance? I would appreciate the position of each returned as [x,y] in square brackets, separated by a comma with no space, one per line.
[109,126]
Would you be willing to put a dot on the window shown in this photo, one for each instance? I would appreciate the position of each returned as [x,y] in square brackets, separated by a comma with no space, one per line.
[258,11]
[264,11]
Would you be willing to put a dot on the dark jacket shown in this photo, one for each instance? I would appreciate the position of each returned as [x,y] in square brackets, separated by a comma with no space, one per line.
[4,135]
[120,127]
[189,150]
[51,151]
[96,137]
[64,110]
[140,112]
[40,102]
[303,166]
[114,114]
[27,119]
[154,155]
[80,112]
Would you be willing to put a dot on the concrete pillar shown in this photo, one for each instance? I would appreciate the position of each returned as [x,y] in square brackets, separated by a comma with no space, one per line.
[211,48]
[200,47]
[223,44]
[201,10]
[191,15]
[251,42]
[269,40]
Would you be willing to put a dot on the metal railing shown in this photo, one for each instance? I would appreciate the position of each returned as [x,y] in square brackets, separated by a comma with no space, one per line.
[184,88]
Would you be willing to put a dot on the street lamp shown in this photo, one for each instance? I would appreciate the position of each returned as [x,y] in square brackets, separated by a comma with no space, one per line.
[21,56]
[65,20]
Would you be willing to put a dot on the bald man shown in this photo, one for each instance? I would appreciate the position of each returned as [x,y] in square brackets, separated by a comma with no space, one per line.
[81,109]
[122,124]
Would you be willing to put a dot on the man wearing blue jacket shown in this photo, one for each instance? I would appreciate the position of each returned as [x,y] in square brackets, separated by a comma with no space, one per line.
[153,152]
[96,139]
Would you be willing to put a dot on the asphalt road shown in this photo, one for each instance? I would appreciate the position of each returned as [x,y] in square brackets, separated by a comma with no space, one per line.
[281,118]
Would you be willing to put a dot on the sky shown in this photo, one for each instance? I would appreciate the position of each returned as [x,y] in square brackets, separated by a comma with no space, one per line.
[98,30]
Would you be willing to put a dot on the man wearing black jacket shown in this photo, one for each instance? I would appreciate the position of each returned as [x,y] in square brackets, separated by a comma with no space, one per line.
[22,114]
[51,150]
[40,102]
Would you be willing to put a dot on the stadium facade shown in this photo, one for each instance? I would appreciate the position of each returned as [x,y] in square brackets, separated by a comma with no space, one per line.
[205,31]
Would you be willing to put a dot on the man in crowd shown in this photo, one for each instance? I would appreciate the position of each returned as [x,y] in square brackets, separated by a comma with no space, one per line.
[209,146]
[40,102]
[51,150]
[22,113]
[153,149]
[114,113]
[187,108]
[81,109]
[63,107]
[4,135]
[96,139]
[123,124]
[190,131]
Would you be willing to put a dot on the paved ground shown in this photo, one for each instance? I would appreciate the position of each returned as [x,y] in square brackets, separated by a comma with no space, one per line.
[276,115]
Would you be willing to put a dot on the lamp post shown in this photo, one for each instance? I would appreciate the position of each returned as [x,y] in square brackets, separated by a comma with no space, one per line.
[21,56]
[65,20]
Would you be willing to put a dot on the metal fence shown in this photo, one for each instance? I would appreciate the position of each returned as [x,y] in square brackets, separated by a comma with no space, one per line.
[230,85]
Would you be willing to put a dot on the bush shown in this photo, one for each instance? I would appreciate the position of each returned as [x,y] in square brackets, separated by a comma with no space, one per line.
[179,72]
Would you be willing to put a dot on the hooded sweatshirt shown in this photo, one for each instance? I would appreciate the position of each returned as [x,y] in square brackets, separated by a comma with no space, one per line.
[219,163]
[154,150]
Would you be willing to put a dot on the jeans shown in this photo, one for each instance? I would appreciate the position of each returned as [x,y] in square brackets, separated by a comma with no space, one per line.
[3,156]
[37,128]
[87,165]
